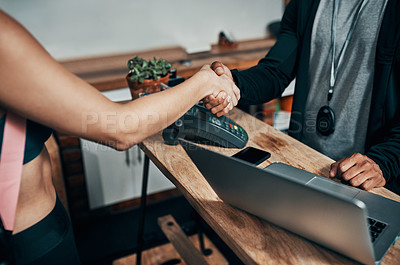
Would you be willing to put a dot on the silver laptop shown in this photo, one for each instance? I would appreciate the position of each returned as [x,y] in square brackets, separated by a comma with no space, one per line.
[350,221]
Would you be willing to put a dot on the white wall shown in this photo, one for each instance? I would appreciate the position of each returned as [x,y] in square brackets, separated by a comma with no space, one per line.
[113,176]
[81,28]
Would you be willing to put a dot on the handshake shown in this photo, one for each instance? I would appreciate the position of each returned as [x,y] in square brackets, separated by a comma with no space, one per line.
[225,94]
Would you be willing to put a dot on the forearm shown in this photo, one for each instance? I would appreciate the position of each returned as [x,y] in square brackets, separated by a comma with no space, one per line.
[134,121]
[259,84]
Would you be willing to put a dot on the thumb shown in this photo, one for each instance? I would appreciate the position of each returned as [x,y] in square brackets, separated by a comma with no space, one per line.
[216,93]
[333,171]
[218,67]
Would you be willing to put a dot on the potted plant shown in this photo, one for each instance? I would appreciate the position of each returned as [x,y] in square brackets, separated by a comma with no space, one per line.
[147,76]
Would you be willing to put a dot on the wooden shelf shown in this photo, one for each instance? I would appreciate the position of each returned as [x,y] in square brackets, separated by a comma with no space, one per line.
[108,72]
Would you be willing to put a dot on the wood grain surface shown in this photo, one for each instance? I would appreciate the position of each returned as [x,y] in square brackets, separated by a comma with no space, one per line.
[255,241]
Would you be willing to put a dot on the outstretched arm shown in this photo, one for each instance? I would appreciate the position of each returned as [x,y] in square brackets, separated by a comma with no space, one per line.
[37,87]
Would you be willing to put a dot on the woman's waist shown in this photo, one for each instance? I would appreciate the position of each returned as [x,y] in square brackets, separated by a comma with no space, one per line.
[36,195]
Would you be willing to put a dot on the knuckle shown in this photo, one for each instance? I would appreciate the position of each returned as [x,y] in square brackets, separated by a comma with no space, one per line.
[369,165]
[354,182]
[354,155]
[366,185]
[345,177]
[358,156]
[364,164]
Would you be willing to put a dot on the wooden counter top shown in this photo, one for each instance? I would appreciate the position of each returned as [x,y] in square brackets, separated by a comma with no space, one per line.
[254,240]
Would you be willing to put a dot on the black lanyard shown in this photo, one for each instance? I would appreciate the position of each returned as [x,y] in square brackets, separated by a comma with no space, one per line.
[334,70]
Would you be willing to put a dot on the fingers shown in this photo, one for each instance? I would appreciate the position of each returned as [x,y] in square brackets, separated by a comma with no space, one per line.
[218,104]
[342,166]
[230,102]
[233,98]
[232,91]
[221,105]
[334,168]
[228,108]
[236,90]
[220,69]
[359,170]
[224,108]
[361,178]
[350,167]
[373,183]
[347,163]
[209,98]
[212,102]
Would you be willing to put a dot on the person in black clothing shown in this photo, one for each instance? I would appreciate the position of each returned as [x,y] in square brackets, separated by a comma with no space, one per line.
[345,57]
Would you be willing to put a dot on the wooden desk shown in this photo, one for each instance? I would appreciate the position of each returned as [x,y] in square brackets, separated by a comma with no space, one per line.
[255,241]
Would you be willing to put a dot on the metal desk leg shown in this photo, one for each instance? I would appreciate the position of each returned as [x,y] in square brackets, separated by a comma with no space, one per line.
[142,213]
[205,251]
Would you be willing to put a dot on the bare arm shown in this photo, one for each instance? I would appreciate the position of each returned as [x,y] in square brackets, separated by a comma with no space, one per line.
[39,88]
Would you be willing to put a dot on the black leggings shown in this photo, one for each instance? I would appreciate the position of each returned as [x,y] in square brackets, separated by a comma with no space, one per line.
[50,241]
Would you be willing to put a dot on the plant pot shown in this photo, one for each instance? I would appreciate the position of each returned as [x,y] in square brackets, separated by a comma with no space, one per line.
[147,87]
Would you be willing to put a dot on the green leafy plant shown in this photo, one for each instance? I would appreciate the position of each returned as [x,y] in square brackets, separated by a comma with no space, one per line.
[140,69]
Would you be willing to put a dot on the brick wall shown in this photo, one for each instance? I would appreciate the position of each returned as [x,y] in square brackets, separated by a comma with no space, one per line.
[75,185]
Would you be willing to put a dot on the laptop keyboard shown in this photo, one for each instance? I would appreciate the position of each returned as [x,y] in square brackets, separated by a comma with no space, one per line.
[375,228]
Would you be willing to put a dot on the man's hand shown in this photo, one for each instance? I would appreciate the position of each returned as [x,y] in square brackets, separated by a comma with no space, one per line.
[223,102]
[359,170]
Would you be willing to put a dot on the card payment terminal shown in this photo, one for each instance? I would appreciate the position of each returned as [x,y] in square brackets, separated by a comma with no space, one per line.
[200,125]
